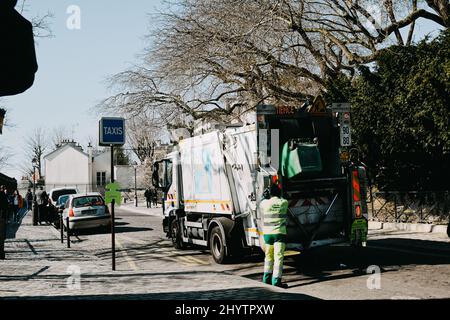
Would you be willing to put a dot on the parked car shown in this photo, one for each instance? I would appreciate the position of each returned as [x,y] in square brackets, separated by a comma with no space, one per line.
[86,211]
[54,195]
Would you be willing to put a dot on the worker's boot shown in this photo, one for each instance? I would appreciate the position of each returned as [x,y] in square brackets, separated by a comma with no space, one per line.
[277,283]
[267,278]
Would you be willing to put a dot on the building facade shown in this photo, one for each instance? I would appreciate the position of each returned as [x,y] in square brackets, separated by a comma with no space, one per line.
[70,166]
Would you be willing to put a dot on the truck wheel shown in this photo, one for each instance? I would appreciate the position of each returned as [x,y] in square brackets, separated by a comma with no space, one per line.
[175,235]
[217,246]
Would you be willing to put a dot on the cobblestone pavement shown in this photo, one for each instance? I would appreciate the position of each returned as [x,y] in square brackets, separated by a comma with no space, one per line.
[37,265]
[412,265]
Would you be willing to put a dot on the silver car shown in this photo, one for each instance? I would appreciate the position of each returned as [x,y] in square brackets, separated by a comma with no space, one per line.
[86,211]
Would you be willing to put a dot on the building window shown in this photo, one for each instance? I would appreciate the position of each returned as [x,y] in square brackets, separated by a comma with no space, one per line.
[101,178]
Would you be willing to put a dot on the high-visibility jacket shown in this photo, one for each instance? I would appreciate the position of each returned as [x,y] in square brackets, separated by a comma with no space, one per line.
[274,212]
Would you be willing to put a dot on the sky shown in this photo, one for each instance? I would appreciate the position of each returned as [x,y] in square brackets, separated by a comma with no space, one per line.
[74,66]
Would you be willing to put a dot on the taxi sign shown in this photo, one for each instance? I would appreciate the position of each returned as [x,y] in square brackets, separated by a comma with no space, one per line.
[112,131]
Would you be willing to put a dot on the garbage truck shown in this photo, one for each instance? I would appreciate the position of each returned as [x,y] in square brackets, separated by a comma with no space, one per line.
[213,183]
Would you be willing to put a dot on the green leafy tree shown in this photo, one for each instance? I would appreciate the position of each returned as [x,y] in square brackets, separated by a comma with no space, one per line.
[401,115]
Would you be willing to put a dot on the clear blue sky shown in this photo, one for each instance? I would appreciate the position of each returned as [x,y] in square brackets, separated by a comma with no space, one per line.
[74,64]
[73,67]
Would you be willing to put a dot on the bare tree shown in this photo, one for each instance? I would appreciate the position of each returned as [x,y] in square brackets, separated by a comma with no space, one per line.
[217,59]
[59,135]
[5,155]
[36,145]
[41,23]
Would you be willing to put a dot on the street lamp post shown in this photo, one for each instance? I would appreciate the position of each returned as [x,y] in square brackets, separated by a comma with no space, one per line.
[35,213]
[135,184]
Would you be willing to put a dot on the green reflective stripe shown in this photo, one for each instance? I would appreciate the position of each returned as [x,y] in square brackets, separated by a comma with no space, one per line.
[274,215]
[277,231]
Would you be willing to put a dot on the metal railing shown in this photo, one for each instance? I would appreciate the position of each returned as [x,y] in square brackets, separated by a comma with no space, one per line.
[410,206]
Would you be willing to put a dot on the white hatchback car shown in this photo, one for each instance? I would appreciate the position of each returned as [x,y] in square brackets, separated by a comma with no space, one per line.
[86,211]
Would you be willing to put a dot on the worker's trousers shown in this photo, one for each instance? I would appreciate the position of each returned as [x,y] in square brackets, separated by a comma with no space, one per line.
[273,263]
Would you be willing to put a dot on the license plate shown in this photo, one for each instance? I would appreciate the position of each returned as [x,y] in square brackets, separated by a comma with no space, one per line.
[89,212]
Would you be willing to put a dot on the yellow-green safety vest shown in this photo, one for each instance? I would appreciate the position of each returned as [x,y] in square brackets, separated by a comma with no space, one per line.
[274,211]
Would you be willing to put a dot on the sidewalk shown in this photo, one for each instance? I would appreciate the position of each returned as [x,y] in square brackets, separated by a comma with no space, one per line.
[38,266]
[142,208]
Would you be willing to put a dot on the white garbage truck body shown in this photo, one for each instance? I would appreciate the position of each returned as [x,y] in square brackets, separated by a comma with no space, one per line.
[213,184]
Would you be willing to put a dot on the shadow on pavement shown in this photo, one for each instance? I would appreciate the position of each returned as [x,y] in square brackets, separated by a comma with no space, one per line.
[333,263]
[131,229]
[227,294]
[12,227]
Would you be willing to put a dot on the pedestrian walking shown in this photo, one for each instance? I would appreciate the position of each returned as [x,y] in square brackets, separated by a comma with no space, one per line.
[29,199]
[148,197]
[155,197]
[42,201]
[274,210]
[15,205]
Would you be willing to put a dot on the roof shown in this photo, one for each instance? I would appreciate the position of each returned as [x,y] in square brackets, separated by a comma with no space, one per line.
[55,153]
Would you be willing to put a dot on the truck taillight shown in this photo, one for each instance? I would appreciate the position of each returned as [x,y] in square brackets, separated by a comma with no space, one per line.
[358,211]
[356,186]
[71,213]
[276,181]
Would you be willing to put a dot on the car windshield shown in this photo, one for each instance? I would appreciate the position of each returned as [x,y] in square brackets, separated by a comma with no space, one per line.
[57,193]
[88,201]
[62,199]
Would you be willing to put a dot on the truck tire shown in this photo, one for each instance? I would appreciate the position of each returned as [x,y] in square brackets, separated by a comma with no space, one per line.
[175,235]
[217,245]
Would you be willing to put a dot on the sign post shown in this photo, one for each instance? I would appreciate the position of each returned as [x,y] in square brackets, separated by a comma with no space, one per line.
[344,120]
[112,133]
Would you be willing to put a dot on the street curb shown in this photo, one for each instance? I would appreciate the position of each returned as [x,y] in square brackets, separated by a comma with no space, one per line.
[133,210]
[414,227]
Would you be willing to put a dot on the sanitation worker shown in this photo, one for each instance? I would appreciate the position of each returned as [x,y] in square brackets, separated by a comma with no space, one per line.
[274,210]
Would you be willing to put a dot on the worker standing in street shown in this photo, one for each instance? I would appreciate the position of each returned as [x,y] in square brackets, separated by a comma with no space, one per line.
[274,210]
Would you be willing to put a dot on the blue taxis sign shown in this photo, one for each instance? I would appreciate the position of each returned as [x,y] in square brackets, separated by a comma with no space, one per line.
[112,131]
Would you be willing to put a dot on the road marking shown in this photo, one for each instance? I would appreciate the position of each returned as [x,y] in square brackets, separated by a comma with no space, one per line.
[134,240]
[185,259]
[127,257]
[195,260]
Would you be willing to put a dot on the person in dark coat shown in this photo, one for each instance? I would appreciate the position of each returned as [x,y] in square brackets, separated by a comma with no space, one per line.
[3,203]
[42,202]
[148,197]
[29,198]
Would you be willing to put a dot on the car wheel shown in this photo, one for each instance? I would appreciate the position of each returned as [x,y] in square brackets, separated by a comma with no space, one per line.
[217,246]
